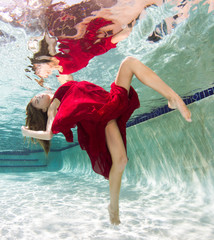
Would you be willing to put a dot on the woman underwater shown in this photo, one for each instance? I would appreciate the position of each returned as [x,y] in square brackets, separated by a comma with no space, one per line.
[101,114]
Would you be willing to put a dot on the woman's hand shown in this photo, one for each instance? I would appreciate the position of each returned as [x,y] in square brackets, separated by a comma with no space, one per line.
[43,135]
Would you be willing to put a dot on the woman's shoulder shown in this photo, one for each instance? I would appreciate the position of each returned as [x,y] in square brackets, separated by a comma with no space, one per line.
[52,110]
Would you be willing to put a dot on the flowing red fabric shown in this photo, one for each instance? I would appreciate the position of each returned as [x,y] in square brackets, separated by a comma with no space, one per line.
[76,53]
[90,107]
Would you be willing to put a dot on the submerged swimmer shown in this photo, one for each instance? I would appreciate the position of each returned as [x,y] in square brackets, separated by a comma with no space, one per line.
[100,117]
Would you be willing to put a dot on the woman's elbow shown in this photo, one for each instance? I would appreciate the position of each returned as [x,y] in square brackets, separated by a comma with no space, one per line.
[49,136]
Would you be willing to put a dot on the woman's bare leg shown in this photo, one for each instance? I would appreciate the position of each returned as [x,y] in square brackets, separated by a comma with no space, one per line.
[132,66]
[129,67]
[119,160]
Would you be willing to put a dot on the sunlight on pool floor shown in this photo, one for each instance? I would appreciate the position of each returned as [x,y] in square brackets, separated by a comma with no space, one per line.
[62,206]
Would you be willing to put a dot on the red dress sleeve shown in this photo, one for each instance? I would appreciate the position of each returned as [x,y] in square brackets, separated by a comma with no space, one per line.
[60,94]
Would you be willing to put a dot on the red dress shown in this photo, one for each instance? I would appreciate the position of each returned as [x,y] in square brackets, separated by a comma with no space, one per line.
[76,53]
[90,107]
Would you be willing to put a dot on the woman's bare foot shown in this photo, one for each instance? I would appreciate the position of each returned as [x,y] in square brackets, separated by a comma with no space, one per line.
[177,103]
[114,216]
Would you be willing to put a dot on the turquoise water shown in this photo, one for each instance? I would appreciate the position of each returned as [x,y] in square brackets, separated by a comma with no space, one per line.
[167,192]
[168,185]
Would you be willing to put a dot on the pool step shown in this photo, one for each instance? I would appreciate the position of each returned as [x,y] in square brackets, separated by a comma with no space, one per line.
[21,163]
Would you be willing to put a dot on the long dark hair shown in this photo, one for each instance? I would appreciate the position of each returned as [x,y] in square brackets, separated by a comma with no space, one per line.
[36,120]
[43,51]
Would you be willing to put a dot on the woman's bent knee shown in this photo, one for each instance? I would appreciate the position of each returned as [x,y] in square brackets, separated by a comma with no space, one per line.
[129,60]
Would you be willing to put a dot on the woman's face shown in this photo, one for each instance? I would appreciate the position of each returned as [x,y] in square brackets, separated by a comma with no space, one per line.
[41,101]
[43,70]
